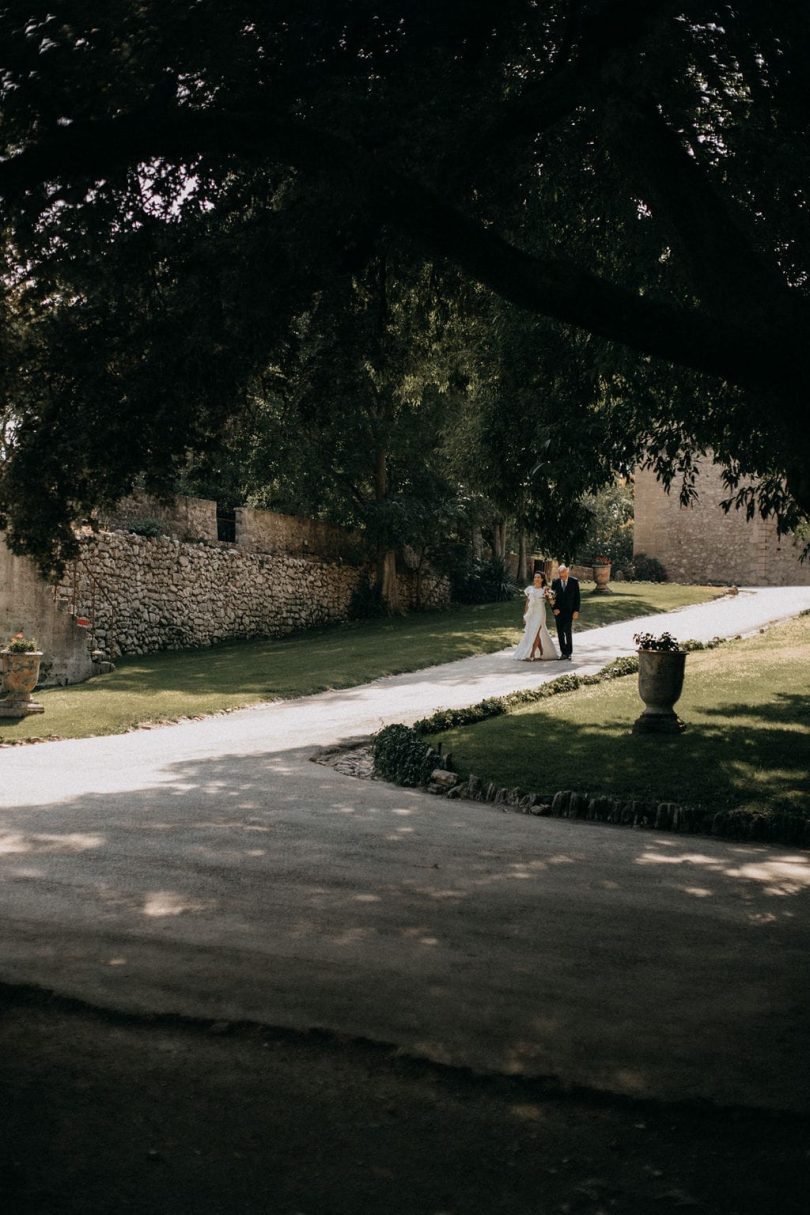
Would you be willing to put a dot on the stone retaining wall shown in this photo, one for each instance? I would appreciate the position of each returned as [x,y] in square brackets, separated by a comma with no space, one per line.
[161,593]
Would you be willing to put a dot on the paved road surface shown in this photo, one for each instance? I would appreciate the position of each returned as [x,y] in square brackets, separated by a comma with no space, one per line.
[209,869]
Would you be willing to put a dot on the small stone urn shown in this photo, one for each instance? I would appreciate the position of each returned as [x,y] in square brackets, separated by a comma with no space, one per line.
[660,683]
[601,573]
[20,673]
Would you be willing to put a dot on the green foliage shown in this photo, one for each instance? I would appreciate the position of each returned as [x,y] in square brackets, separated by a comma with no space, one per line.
[691,645]
[619,667]
[646,569]
[150,528]
[366,602]
[610,528]
[631,177]
[401,756]
[486,581]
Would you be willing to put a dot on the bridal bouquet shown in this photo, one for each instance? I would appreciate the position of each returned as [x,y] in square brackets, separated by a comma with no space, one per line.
[550,595]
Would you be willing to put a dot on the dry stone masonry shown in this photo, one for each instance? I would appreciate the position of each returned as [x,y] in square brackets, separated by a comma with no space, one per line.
[148,594]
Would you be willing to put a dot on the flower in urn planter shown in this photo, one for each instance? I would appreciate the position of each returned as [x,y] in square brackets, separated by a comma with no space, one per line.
[663,642]
[19,664]
[18,643]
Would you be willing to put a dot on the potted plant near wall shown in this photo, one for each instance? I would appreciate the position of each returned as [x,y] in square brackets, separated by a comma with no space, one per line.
[19,663]
[661,664]
[601,572]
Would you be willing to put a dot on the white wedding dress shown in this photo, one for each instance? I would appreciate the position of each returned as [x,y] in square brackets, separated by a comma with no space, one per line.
[535,621]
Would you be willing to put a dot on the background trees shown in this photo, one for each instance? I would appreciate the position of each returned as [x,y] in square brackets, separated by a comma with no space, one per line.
[180,183]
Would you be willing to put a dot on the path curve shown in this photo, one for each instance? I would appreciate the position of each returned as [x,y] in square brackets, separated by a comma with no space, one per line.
[208,869]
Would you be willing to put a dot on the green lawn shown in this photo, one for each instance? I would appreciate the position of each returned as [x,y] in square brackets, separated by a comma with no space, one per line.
[747,743]
[188,682]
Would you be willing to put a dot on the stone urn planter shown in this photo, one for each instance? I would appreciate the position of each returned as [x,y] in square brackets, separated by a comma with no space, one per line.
[660,683]
[601,573]
[20,673]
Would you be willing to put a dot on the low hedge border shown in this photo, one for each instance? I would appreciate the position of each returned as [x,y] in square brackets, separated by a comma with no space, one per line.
[402,755]
[495,706]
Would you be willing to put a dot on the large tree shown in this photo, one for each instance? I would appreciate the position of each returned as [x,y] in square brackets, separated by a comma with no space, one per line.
[351,414]
[179,179]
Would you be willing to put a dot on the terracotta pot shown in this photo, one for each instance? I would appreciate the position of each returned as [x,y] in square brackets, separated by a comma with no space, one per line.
[20,674]
[601,575]
[660,683]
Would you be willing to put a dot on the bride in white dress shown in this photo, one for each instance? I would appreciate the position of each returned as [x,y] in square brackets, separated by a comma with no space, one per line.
[535,642]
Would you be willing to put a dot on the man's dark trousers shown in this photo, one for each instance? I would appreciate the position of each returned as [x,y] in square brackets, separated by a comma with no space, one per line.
[567,601]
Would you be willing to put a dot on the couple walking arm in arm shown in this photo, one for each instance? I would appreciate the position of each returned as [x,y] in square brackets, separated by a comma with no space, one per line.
[563,598]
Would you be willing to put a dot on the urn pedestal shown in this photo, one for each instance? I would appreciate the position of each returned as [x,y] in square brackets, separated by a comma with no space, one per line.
[660,683]
[601,576]
[20,673]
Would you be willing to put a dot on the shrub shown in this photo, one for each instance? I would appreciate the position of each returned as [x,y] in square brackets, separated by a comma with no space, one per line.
[150,528]
[401,756]
[484,582]
[609,531]
[645,569]
[619,667]
[366,602]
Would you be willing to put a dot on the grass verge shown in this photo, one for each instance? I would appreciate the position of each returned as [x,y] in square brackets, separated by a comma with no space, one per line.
[747,744]
[172,684]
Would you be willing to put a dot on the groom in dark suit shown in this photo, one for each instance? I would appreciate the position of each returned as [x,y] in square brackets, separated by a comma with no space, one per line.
[566,609]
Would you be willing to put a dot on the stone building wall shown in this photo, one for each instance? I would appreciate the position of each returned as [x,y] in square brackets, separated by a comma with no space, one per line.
[28,605]
[701,543]
[269,532]
[162,593]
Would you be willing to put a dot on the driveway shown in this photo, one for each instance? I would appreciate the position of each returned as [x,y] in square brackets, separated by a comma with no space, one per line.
[209,869]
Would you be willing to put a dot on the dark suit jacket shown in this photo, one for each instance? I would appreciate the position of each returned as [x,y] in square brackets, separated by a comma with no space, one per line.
[567,600]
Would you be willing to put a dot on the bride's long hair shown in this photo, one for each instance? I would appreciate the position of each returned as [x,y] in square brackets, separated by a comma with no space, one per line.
[540,574]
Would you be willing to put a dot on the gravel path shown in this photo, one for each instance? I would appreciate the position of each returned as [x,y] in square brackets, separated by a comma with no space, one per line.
[209,869]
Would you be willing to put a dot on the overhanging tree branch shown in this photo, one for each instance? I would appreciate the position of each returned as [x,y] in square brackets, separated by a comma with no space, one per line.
[727,270]
[752,356]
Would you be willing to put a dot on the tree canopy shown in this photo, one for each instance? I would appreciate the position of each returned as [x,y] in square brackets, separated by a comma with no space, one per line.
[179,182]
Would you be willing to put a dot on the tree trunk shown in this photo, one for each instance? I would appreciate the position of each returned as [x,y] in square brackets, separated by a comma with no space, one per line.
[417,598]
[499,539]
[523,556]
[477,541]
[389,587]
[386,558]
